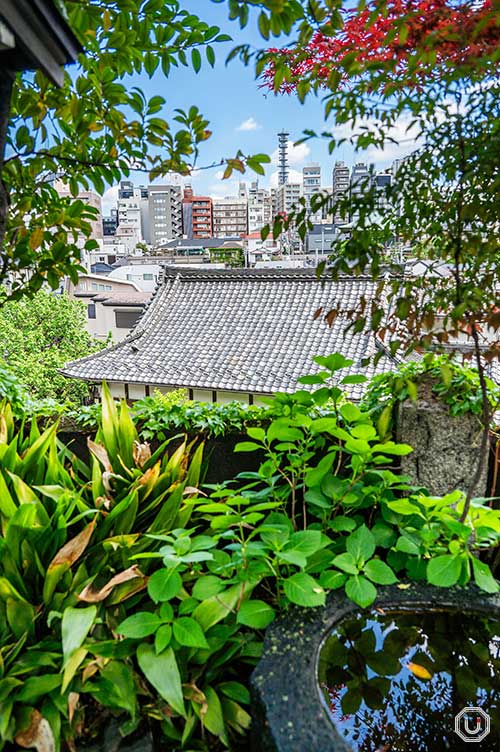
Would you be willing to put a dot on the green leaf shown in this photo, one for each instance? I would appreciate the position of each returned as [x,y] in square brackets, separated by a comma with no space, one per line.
[444,571]
[360,590]
[346,562]
[255,614]
[332,580]
[389,447]
[139,625]
[163,673]
[246,446]
[303,590]
[75,626]
[163,637]
[361,544]
[188,632]
[213,718]
[483,576]
[292,557]
[207,586]
[379,572]
[196,59]
[164,585]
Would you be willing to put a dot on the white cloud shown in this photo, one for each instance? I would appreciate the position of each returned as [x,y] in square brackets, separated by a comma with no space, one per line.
[297,154]
[109,200]
[401,139]
[224,188]
[294,176]
[250,124]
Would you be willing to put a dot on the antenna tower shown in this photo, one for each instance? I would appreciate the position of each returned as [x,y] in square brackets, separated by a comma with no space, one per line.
[283,157]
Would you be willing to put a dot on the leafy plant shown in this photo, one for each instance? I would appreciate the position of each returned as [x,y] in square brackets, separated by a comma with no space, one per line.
[456,384]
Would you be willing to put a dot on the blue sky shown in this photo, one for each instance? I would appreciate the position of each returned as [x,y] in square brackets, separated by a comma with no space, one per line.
[242,115]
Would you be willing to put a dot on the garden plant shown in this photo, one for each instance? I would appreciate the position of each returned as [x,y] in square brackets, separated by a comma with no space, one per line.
[131,592]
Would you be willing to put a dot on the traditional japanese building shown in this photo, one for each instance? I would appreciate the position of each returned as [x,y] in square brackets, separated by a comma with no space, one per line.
[234,334]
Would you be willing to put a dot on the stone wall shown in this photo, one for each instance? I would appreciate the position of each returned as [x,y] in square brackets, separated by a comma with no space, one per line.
[446,447]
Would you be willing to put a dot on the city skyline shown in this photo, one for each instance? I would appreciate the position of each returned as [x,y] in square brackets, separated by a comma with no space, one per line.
[245,116]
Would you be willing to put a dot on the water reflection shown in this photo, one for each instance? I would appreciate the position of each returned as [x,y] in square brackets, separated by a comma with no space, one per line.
[394,682]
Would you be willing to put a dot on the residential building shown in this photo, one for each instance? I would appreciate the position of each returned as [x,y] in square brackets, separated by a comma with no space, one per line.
[341,179]
[311,181]
[144,276]
[230,216]
[115,314]
[236,334]
[165,213]
[260,208]
[197,215]
[109,224]
[287,197]
[320,239]
[129,215]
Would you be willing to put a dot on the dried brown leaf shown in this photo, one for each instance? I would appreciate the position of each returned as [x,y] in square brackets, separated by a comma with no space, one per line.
[38,734]
[89,595]
[100,453]
[73,549]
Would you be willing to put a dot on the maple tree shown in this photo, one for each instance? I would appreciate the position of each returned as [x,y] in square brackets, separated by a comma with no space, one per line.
[405,40]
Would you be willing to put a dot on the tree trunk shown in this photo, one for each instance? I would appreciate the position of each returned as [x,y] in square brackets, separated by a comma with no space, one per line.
[6,81]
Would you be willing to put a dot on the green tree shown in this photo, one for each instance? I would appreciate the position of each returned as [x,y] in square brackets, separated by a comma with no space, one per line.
[98,126]
[37,336]
[426,69]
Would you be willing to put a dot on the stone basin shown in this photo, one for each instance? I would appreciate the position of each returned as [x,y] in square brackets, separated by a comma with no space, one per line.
[296,703]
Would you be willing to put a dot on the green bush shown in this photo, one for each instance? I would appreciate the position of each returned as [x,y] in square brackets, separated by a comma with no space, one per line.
[129,590]
[457,385]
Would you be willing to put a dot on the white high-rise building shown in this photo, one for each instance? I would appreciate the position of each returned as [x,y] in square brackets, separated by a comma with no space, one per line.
[340,187]
[311,180]
[260,208]
[165,213]
[230,217]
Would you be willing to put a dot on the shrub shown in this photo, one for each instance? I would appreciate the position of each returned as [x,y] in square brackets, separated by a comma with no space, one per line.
[126,591]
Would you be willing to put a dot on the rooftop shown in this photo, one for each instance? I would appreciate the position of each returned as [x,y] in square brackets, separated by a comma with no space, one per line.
[243,330]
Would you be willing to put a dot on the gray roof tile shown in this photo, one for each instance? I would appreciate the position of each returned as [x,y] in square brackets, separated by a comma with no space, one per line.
[238,330]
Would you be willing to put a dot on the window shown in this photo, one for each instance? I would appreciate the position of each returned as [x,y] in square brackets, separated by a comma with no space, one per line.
[127,319]
[147,277]
[91,311]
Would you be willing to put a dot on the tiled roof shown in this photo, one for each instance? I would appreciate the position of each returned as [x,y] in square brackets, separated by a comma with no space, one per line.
[237,330]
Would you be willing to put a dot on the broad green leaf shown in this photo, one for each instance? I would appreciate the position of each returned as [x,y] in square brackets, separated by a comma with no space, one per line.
[163,637]
[216,608]
[164,585]
[303,590]
[188,632]
[207,586]
[361,544]
[75,626]
[360,590]
[332,580]
[444,571]
[139,625]
[379,572]
[346,562]
[256,614]
[163,673]
[483,576]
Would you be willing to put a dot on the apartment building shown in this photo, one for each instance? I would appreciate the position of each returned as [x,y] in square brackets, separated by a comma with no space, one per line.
[165,213]
[340,187]
[311,180]
[230,217]
[197,212]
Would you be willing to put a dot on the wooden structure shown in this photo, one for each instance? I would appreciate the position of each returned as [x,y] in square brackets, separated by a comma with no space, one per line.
[34,35]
